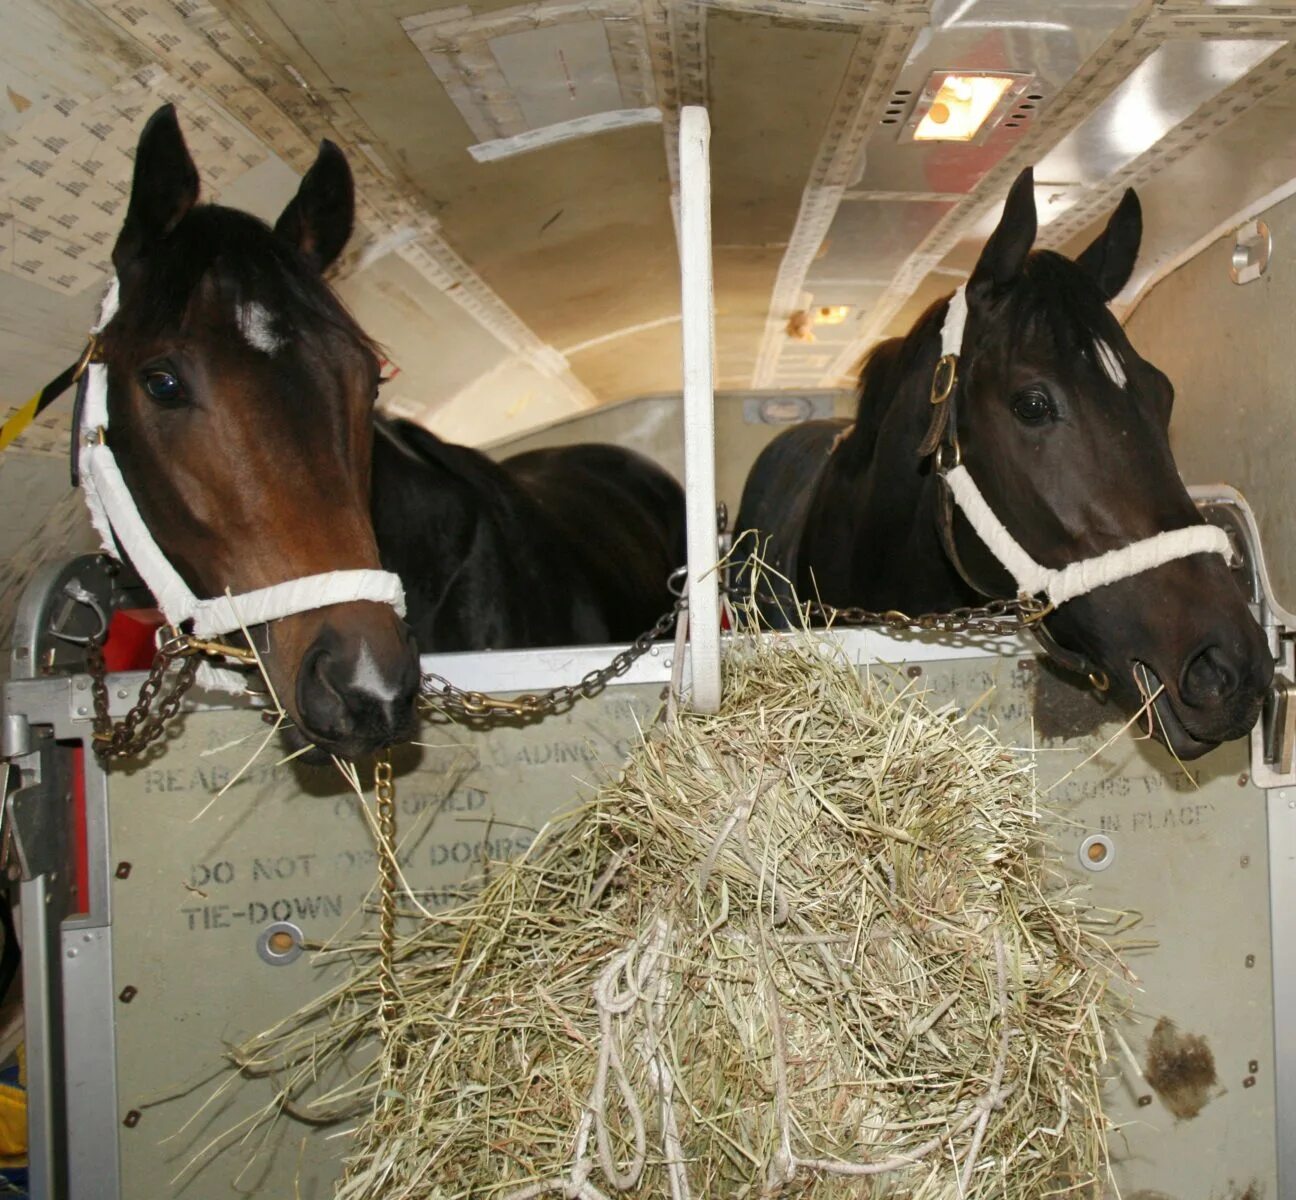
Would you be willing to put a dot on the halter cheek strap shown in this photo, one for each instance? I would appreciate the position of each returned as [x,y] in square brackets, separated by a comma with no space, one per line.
[123,532]
[1061,584]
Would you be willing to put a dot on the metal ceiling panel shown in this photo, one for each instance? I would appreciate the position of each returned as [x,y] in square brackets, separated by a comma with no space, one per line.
[1047,41]
[559,73]
[868,241]
[1169,85]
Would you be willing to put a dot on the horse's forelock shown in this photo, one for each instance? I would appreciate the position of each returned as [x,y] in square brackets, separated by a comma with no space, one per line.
[219,257]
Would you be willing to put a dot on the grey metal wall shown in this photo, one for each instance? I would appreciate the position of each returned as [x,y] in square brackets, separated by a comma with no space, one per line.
[654,425]
[208,872]
[1228,352]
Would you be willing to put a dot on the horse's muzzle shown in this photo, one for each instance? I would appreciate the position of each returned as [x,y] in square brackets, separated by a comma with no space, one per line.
[351,698]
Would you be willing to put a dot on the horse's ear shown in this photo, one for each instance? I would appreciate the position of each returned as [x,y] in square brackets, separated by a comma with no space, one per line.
[1110,259]
[319,218]
[163,190]
[1004,255]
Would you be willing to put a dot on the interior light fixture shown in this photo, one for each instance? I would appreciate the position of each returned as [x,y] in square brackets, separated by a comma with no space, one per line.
[956,107]
[831,314]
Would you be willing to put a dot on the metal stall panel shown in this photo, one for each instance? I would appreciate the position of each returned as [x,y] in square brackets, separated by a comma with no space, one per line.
[197,877]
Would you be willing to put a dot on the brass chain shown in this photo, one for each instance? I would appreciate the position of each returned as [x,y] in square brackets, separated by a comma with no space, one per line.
[996,617]
[385,803]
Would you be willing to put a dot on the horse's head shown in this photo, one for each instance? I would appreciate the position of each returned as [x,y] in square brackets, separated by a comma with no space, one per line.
[240,395]
[1065,429]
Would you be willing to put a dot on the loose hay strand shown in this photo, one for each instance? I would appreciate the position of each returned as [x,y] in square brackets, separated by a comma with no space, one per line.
[804,942]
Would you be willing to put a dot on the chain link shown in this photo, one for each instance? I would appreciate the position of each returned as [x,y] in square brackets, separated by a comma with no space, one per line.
[476,706]
[995,617]
[147,719]
[385,803]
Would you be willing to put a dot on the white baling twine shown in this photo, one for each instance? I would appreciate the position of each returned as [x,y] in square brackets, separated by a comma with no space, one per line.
[1077,578]
[637,978]
[122,530]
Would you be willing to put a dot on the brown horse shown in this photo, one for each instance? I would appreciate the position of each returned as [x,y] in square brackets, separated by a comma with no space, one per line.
[240,395]
[240,404]
[1064,428]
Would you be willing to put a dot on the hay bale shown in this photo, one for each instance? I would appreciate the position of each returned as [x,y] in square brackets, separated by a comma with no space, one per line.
[808,946]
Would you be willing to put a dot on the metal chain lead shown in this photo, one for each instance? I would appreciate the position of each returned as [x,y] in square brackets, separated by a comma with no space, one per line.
[141,725]
[997,617]
[456,701]
[385,803]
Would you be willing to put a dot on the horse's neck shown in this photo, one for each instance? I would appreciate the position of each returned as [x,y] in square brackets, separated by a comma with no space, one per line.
[431,520]
[467,542]
[872,536]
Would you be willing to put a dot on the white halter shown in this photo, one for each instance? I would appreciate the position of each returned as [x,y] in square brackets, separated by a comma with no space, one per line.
[1065,583]
[122,531]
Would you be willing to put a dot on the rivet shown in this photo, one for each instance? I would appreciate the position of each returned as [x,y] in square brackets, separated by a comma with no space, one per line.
[132,1118]
[127,994]
[1250,960]
[82,684]
[1144,1101]
[1249,1081]
[1246,860]
[72,952]
[1243,779]
[914,671]
[122,693]
[123,870]
[1253,1066]
[83,711]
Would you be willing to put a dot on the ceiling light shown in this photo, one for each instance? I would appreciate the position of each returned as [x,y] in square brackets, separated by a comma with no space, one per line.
[831,314]
[954,108]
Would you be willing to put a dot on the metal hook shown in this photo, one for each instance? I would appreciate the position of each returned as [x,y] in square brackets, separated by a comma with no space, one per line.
[75,592]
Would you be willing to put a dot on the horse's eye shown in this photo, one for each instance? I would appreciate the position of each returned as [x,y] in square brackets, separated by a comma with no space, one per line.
[1032,407]
[163,387]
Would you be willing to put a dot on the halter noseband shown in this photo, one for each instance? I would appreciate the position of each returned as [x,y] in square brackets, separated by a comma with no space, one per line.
[1057,585]
[122,531]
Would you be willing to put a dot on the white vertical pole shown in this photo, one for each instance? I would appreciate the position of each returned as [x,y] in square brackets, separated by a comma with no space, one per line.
[697,309]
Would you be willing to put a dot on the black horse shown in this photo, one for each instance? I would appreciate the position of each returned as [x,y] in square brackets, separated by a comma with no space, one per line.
[240,396]
[1064,428]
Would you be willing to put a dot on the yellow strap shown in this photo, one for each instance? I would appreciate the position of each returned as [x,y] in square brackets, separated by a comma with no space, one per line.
[19,421]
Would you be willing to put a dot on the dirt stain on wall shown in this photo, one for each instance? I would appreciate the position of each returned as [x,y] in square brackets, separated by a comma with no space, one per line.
[1180,1069]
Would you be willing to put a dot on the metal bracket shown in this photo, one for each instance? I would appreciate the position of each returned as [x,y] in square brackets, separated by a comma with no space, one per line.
[1251,252]
[64,606]
[1278,725]
[1273,740]
[34,838]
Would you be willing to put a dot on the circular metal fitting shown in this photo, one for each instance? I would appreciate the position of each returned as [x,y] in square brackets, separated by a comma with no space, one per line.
[1097,852]
[280,943]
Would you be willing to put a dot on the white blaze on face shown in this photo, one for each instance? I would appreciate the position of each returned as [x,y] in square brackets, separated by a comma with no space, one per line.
[1110,364]
[256,324]
[368,678]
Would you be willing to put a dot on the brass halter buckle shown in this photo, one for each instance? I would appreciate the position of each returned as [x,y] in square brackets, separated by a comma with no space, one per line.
[944,378]
[88,355]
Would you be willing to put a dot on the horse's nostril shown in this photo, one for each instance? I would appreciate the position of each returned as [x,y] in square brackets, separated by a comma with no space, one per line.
[1208,676]
[354,698]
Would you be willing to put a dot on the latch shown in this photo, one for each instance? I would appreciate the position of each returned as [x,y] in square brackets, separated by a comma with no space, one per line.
[1278,725]
[33,837]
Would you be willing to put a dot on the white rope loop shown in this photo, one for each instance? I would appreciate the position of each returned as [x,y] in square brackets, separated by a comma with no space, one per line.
[122,530]
[1078,578]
